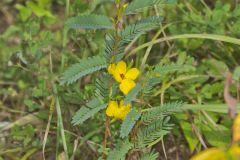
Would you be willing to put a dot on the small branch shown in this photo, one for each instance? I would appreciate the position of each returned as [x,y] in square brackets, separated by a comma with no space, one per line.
[199,136]
[107,134]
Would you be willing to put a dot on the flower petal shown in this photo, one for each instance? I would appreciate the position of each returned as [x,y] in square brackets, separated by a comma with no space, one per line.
[122,104]
[117,114]
[121,67]
[111,68]
[112,108]
[117,76]
[132,74]
[127,85]
[120,71]
[124,110]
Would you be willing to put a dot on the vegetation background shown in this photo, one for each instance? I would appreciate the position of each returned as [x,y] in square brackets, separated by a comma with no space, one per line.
[35,50]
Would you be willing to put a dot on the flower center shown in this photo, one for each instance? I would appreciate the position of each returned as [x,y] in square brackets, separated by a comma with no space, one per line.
[122,76]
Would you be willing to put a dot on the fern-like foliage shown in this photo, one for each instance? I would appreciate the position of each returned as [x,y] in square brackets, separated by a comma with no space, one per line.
[102,87]
[84,67]
[89,22]
[84,113]
[150,83]
[113,50]
[140,27]
[133,30]
[150,156]
[132,94]
[154,132]
[157,123]
[129,122]
[136,5]
[120,151]
[156,75]
[109,47]
[168,68]
[116,48]
[171,68]
[161,111]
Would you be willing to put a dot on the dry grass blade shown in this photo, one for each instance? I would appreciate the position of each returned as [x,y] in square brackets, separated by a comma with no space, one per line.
[28,119]
[231,102]
[51,109]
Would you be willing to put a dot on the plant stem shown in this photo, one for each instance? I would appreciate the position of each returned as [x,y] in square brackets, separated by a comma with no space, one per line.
[117,27]
[107,133]
[60,124]
[51,110]
[64,33]
[67,8]
[64,42]
[188,36]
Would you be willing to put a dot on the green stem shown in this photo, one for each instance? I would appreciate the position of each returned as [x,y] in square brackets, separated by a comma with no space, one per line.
[64,42]
[216,108]
[67,8]
[144,60]
[28,154]
[65,32]
[177,80]
[188,36]
[60,126]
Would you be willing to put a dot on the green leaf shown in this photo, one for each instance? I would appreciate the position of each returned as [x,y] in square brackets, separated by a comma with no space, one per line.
[102,90]
[89,22]
[150,83]
[150,156]
[189,135]
[109,47]
[43,3]
[11,30]
[171,68]
[84,67]
[208,90]
[217,136]
[160,111]
[236,74]
[132,94]
[139,4]
[127,35]
[216,67]
[154,132]
[129,122]
[120,151]
[25,12]
[130,32]
[140,27]
[84,113]
[156,76]
[39,11]
[165,69]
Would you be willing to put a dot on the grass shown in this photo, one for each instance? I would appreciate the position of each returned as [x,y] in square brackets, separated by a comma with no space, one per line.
[35,50]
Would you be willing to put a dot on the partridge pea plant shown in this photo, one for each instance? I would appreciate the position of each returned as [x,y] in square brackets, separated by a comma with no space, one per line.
[121,87]
[123,76]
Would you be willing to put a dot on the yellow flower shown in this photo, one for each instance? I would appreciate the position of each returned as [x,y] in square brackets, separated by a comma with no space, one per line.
[236,129]
[118,111]
[111,68]
[234,151]
[123,76]
[211,154]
